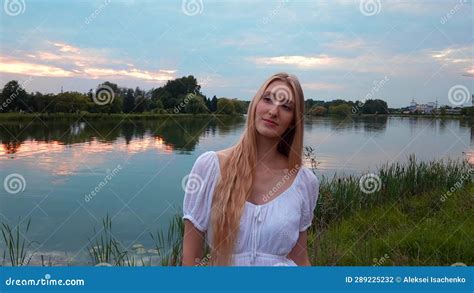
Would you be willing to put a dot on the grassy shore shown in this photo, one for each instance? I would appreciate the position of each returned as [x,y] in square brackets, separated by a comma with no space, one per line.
[419,213]
[421,230]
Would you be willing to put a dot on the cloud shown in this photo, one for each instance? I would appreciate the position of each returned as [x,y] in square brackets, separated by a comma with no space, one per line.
[161,75]
[64,60]
[458,57]
[321,86]
[308,62]
[469,72]
[346,45]
[362,63]
[18,67]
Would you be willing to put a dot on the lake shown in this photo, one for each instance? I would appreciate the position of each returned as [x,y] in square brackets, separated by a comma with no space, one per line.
[63,162]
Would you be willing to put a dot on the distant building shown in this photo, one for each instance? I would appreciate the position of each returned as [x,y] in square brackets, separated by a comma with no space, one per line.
[428,108]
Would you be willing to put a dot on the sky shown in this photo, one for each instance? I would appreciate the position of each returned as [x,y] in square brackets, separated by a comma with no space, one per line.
[352,50]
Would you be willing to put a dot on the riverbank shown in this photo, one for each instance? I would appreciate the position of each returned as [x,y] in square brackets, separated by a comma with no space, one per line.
[422,230]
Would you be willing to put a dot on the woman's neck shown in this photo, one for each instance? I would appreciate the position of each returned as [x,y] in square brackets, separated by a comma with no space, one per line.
[267,151]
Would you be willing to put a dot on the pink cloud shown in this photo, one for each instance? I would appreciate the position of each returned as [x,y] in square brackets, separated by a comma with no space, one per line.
[64,60]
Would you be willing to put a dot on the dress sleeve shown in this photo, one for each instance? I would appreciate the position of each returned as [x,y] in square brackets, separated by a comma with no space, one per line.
[309,199]
[198,191]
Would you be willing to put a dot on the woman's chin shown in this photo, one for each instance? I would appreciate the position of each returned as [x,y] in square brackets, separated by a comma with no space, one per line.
[268,133]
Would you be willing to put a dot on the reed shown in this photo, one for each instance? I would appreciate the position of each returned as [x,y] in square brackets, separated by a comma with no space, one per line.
[170,248]
[106,249]
[340,197]
[16,244]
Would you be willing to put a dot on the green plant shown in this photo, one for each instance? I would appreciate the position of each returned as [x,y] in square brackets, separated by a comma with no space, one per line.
[107,249]
[16,244]
[170,248]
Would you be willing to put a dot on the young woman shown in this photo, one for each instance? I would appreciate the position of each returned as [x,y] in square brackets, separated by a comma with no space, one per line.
[253,202]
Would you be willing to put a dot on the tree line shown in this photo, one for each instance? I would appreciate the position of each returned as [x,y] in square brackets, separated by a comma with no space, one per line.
[181,95]
[341,107]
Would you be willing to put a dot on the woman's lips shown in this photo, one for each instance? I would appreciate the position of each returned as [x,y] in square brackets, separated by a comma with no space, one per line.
[269,122]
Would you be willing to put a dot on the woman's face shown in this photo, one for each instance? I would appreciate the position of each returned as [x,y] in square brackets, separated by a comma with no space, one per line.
[275,110]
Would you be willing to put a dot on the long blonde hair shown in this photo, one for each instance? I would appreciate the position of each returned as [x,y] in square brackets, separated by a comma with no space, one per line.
[232,189]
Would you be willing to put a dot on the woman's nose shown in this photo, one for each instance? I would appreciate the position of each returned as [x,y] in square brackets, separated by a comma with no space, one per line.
[273,110]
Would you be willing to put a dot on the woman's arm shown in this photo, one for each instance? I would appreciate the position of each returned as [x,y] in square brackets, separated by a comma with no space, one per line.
[193,244]
[299,253]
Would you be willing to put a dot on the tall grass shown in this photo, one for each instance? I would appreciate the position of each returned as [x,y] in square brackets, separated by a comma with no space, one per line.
[170,248]
[16,244]
[421,230]
[105,249]
[342,196]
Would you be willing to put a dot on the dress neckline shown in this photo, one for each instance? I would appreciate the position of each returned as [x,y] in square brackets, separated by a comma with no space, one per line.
[293,184]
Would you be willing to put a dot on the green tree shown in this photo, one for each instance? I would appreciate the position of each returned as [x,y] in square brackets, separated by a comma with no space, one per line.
[318,111]
[14,98]
[375,107]
[141,104]
[213,107]
[195,105]
[129,102]
[225,106]
[340,110]
[239,106]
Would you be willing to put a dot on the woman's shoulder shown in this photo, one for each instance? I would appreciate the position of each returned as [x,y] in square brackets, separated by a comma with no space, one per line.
[308,176]
[206,156]
[204,161]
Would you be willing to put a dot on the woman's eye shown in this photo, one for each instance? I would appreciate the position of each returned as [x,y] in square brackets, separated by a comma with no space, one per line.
[287,107]
[267,99]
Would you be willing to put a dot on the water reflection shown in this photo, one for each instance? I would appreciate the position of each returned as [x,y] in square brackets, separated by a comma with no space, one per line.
[346,143]
[164,135]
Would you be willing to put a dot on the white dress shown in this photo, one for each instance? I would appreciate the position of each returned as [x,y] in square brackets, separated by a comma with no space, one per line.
[268,232]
